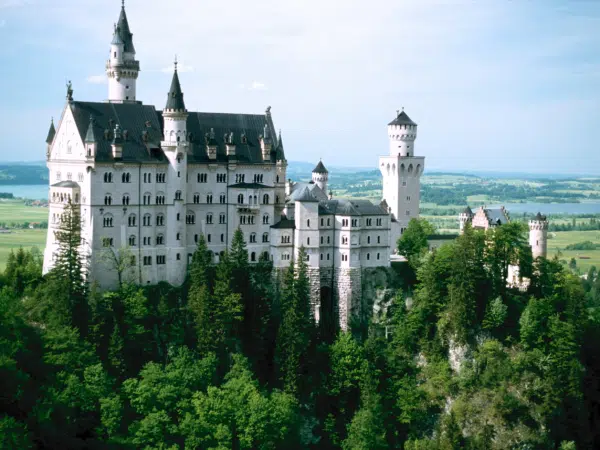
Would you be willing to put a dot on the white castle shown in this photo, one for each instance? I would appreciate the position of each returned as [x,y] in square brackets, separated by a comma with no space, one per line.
[152,181]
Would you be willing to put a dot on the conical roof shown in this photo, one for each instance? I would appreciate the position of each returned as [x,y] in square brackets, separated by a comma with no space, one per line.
[124,32]
[540,217]
[280,153]
[90,136]
[304,195]
[175,95]
[320,168]
[402,119]
[468,211]
[51,133]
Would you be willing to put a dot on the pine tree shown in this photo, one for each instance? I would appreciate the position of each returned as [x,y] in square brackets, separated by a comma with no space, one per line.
[199,297]
[69,269]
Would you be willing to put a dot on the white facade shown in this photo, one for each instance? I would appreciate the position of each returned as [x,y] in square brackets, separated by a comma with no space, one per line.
[538,236]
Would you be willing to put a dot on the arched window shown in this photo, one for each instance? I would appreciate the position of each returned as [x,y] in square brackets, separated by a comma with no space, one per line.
[147,220]
[222,218]
[241,199]
[131,221]
[132,241]
[107,221]
[209,218]
[190,218]
[108,199]
[308,223]
[209,199]
[266,199]
[265,237]
[368,239]
[125,199]
[146,198]
[196,198]
[160,239]
[266,219]
[253,256]
[307,241]
[177,195]
[125,177]
[222,199]
[160,220]
[252,238]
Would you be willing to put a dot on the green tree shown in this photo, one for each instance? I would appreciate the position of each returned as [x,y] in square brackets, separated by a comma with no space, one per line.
[413,242]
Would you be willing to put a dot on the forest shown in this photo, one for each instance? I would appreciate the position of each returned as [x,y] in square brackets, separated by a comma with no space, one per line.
[234,359]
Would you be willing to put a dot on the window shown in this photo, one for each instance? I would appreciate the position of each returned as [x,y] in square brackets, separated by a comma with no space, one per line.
[69,176]
[179,158]
[321,256]
[265,237]
[344,222]
[146,240]
[277,199]
[408,198]
[131,220]
[177,195]
[222,237]
[253,256]
[241,199]
[344,240]
[196,238]
[108,200]
[379,239]
[160,220]
[368,256]
[344,257]
[80,177]
[252,238]
[327,256]
[190,218]
[239,178]
[209,218]
[221,178]
[369,222]
[160,199]
[308,223]
[307,241]
[147,220]
[328,222]
[222,218]
[404,184]
[58,176]
[209,199]
[286,239]
[407,212]
[178,236]
[160,239]
[196,198]
[126,177]
[379,221]
[107,221]
[222,199]
[285,257]
[147,260]
[322,238]
[208,238]
[329,239]
[147,198]
[266,199]
[355,222]
[161,259]
[160,177]
[107,177]
[178,217]
[202,178]
[266,219]
[125,199]
[378,255]
[307,257]
[368,239]
[178,256]
[107,242]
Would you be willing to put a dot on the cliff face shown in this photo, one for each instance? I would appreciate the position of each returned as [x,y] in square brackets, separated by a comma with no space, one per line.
[379,287]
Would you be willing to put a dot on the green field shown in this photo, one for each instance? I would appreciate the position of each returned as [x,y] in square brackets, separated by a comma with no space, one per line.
[20,238]
[15,211]
[585,258]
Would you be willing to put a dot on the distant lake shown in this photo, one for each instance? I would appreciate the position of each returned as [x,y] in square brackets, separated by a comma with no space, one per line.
[30,191]
[550,208]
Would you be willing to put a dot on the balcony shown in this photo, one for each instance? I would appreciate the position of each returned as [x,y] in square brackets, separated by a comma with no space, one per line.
[244,207]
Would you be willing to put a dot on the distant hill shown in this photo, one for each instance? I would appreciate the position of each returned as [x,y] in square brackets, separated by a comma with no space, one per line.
[23,173]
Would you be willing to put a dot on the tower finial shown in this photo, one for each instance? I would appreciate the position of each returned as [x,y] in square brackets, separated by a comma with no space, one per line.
[122,3]
[175,63]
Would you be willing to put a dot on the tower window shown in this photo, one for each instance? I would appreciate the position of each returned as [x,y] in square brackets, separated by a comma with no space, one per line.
[115,54]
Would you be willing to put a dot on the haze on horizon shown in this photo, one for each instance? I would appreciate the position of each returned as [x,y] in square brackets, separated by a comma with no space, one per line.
[504,86]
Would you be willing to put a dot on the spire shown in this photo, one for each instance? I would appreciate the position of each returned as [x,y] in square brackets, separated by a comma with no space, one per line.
[90,136]
[124,31]
[51,132]
[320,168]
[175,96]
[279,152]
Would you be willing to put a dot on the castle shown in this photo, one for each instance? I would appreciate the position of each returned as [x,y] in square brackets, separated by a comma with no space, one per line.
[152,181]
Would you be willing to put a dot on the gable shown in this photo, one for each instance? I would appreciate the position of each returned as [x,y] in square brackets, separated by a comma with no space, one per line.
[67,143]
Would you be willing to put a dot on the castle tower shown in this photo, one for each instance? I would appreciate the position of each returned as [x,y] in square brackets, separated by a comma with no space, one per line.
[320,176]
[401,171]
[466,216]
[175,146]
[538,236]
[121,68]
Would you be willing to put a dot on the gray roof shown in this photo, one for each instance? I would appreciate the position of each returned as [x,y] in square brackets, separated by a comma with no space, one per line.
[496,216]
[539,217]
[284,223]
[124,31]
[315,190]
[51,133]
[320,168]
[144,125]
[66,184]
[250,186]
[175,95]
[351,207]
[90,136]
[402,119]
[468,211]
[303,195]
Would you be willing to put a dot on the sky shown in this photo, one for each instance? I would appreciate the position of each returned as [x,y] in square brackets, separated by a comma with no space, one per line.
[494,85]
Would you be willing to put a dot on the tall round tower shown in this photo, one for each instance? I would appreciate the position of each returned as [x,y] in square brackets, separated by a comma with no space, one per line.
[320,176]
[122,68]
[402,132]
[538,236]
[464,217]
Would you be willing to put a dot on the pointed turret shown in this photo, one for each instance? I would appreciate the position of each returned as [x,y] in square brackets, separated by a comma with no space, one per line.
[320,176]
[320,168]
[175,96]
[90,136]
[51,133]
[176,115]
[124,31]
[280,153]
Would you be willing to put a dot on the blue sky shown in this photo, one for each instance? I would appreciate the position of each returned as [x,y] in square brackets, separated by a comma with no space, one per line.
[493,85]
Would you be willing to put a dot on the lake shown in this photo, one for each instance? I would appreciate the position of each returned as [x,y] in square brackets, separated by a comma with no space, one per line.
[550,208]
[31,191]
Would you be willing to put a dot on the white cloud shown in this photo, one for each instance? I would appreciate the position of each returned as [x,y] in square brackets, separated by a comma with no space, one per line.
[96,79]
[12,3]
